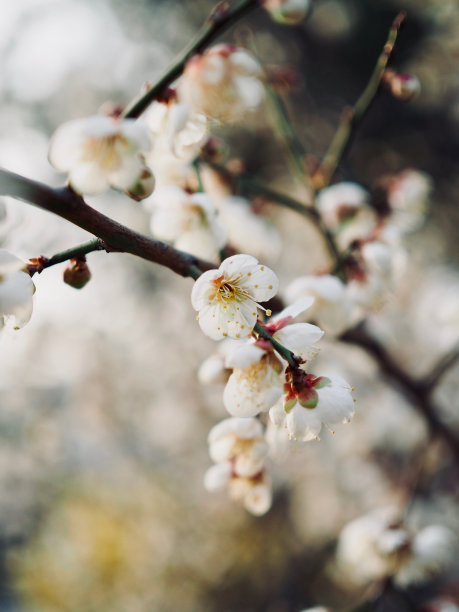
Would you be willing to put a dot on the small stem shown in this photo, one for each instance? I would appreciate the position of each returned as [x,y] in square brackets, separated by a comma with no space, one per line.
[197,173]
[221,18]
[74,253]
[352,116]
[286,134]
[283,352]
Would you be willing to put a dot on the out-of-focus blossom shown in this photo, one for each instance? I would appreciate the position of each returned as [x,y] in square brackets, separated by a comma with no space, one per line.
[376,546]
[257,379]
[375,268]
[254,493]
[227,298]
[310,402]
[178,128]
[213,370]
[16,290]
[223,83]
[331,308]
[289,12]
[249,232]
[404,86]
[187,220]
[100,152]
[240,441]
[408,195]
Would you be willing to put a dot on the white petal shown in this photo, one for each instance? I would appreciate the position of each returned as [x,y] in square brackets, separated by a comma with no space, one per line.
[16,292]
[202,289]
[88,178]
[303,424]
[300,337]
[242,428]
[336,404]
[295,309]
[217,477]
[9,263]
[258,499]
[128,173]
[244,356]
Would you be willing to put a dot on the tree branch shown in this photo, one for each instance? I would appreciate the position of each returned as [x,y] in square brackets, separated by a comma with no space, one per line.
[415,390]
[116,237]
[221,18]
[38,264]
[352,116]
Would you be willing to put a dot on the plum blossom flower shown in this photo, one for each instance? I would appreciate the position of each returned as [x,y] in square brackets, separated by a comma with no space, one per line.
[100,152]
[310,402]
[247,231]
[177,128]
[227,298]
[187,220]
[254,493]
[288,12]
[240,441]
[331,307]
[16,290]
[377,545]
[257,380]
[346,211]
[223,83]
[408,195]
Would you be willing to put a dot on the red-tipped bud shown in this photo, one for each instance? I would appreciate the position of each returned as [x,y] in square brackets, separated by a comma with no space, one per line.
[77,273]
[402,85]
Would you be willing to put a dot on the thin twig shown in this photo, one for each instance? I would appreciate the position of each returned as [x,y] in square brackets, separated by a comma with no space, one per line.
[221,18]
[284,352]
[67,204]
[352,116]
[39,264]
[445,363]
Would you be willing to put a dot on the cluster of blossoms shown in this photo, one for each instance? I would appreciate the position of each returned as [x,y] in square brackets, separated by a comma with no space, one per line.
[377,546]
[258,379]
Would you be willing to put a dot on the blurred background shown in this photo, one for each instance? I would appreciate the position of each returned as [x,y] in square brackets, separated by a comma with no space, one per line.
[103,424]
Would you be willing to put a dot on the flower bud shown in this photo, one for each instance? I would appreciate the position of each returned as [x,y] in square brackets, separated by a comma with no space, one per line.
[77,273]
[402,85]
[288,12]
[143,187]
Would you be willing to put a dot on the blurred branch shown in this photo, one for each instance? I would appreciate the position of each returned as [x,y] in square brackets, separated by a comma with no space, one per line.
[415,390]
[37,264]
[352,116]
[221,17]
[67,204]
[287,136]
[447,362]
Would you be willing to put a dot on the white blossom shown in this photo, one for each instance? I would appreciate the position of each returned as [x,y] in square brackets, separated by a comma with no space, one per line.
[222,83]
[408,197]
[257,380]
[248,232]
[289,12]
[227,298]
[189,221]
[322,401]
[16,290]
[100,152]
[240,441]
[377,545]
[331,308]
[254,494]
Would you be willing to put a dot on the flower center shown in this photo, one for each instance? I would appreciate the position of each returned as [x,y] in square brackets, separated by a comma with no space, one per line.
[106,151]
[227,290]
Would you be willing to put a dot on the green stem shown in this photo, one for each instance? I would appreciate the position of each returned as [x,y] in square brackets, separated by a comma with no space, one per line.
[280,348]
[352,116]
[221,18]
[74,253]
[286,134]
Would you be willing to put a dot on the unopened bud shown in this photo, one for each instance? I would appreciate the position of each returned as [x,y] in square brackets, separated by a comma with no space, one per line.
[143,187]
[77,273]
[288,12]
[402,85]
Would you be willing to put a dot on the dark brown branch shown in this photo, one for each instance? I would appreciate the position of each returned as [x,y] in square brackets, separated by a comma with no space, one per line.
[414,390]
[222,17]
[70,206]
